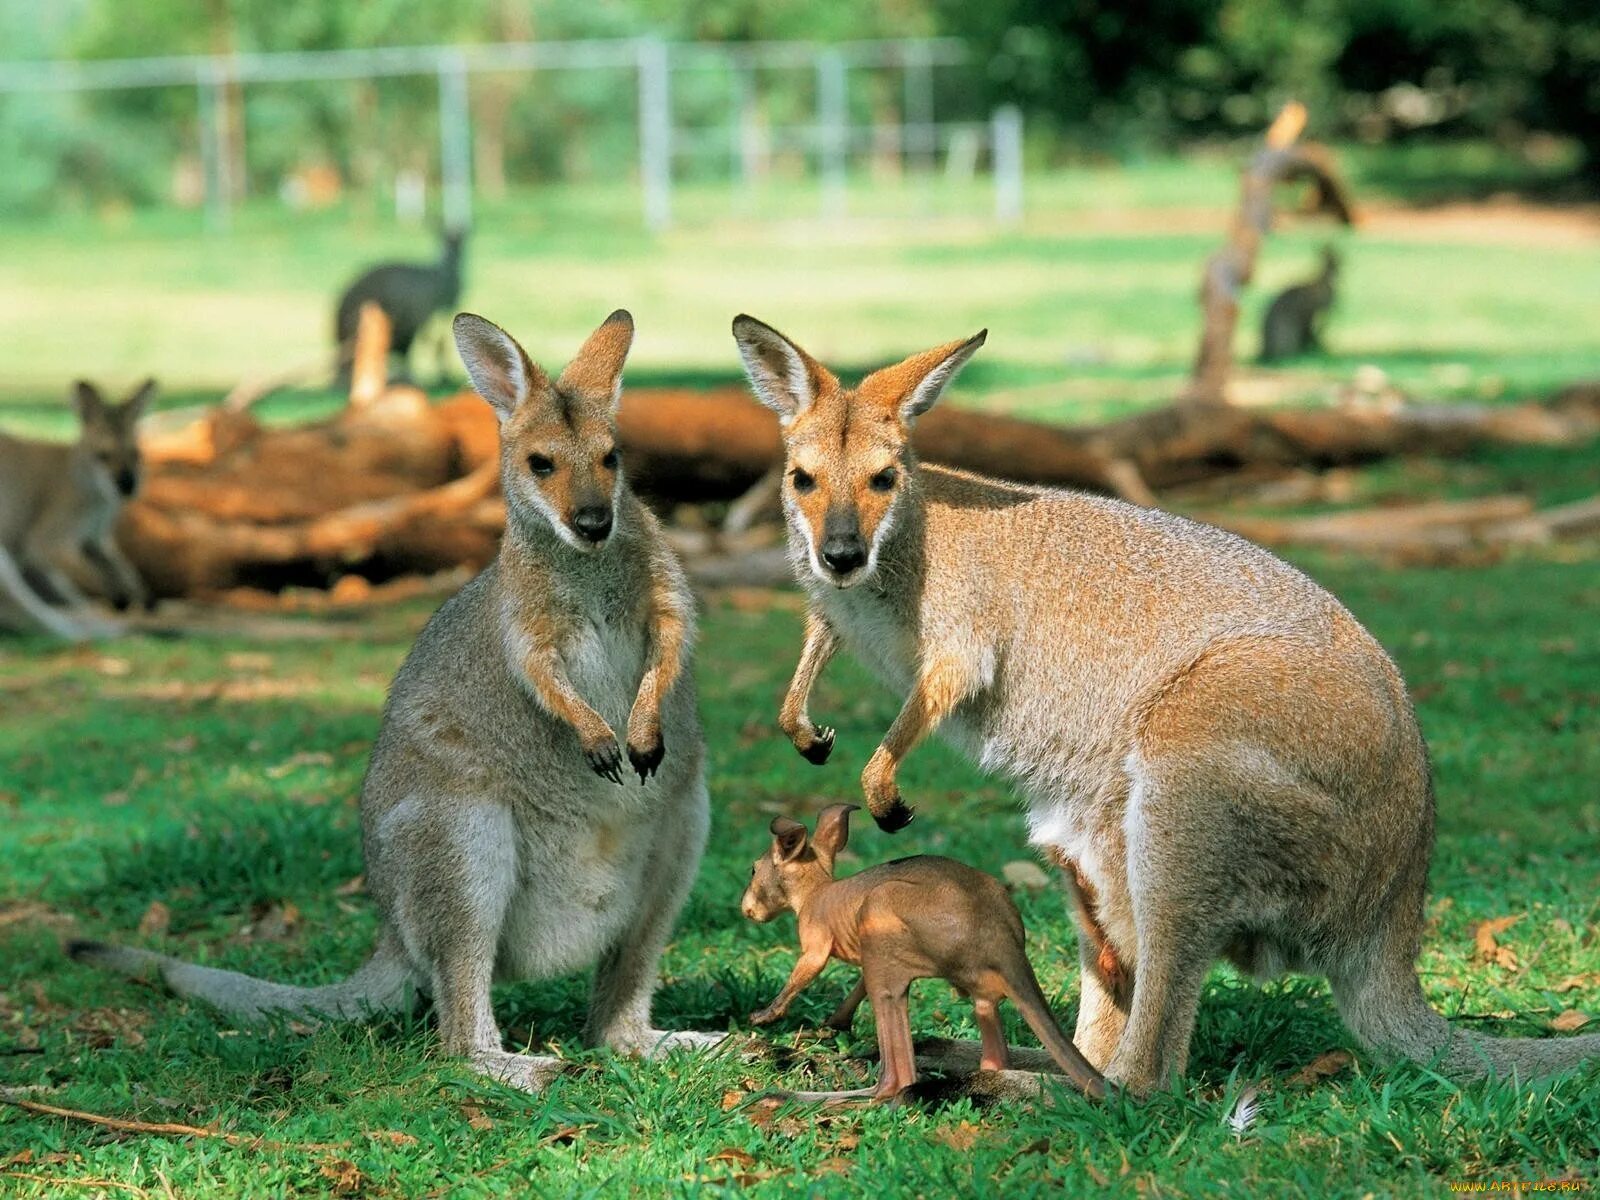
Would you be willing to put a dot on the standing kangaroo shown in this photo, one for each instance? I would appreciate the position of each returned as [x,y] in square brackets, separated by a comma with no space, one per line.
[1224,762]
[1293,321]
[58,513]
[409,295]
[500,839]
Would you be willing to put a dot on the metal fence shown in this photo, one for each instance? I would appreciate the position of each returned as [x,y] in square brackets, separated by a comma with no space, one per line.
[921,134]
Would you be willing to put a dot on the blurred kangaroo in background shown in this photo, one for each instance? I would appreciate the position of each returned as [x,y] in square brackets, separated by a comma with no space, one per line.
[1293,321]
[409,294]
[59,505]
[1224,762]
[500,839]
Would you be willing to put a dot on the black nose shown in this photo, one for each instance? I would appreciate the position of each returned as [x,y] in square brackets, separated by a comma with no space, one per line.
[127,481]
[844,553]
[592,523]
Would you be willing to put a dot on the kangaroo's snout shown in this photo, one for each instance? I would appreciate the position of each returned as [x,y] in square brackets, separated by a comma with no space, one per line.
[592,523]
[843,550]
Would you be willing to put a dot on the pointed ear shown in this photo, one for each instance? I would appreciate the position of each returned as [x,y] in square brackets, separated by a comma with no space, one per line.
[914,385]
[133,407]
[595,371]
[785,378]
[833,831]
[86,398]
[788,839]
[499,368]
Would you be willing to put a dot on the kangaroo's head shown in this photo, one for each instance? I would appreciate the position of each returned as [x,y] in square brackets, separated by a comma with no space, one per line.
[110,436]
[558,441]
[847,450]
[785,877]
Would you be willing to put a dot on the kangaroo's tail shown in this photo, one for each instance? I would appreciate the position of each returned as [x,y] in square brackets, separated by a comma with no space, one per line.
[380,985]
[1383,1004]
[1022,988]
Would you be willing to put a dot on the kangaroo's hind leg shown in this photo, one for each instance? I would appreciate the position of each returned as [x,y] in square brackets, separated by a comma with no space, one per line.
[626,975]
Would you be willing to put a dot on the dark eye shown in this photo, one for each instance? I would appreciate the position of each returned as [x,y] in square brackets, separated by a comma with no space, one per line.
[802,480]
[540,465]
[883,481]
[609,462]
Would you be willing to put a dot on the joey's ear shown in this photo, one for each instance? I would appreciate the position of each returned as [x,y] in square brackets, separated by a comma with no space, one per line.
[133,407]
[788,839]
[833,831]
[499,368]
[785,378]
[595,371]
[914,385]
[86,398]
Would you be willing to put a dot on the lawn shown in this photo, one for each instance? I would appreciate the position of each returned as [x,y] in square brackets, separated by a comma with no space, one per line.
[199,794]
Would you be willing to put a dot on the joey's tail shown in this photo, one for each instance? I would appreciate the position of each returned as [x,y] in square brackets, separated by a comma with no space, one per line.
[380,985]
[1383,1005]
[1022,988]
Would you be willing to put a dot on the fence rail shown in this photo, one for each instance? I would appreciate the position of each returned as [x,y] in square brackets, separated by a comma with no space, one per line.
[831,137]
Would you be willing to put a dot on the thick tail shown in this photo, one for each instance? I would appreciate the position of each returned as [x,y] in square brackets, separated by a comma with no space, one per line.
[382,984]
[1025,993]
[1384,1006]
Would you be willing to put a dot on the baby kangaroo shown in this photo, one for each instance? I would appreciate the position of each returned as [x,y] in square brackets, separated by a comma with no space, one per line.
[1225,762]
[914,918]
[500,842]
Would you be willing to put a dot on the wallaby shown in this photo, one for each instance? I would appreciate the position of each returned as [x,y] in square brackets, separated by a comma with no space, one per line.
[408,293]
[58,514]
[1225,762]
[1293,322]
[914,918]
[500,841]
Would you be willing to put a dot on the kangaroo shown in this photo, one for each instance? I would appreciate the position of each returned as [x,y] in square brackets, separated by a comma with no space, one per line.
[409,294]
[1292,324]
[1222,759]
[914,918]
[58,514]
[499,839]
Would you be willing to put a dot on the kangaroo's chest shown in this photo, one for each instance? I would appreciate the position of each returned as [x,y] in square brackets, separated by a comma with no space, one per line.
[877,636]
[604,648]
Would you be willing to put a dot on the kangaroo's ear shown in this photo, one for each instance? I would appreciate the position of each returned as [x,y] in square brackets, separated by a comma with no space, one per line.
[499,368]
[785,378]
[595,371]
[133,407]
[914,385]
[86,398]
[833,831]
[788,839]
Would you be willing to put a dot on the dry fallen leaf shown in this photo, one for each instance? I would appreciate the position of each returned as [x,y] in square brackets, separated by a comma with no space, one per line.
[732,1100]
[475,1117]
[346,1178]
[393,1136]
[1487,949]
[352,887]
[1325,1065]
[273,922]
[1573,983]
[157,919]
[962,1137]
[1568,1021]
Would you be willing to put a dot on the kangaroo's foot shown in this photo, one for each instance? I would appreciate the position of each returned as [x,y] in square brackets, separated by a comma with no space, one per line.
[527,1072]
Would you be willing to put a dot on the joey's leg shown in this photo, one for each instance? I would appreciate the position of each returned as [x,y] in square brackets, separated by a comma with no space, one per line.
[451,911]
[31,610]
[813,743]
[669,628]
[844,1016]
[625,977]
[992,1033]
[896,1053]
[946,680]
[806,968]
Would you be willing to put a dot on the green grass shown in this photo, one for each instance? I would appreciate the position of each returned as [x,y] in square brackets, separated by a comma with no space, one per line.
[219,777]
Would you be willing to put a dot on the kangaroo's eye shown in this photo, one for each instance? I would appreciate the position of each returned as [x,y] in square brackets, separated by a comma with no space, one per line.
[803,482]
[540,465]
[883,481]
[609,462]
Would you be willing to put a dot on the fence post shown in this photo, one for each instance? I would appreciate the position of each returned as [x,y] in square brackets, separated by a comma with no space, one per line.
[455,140]
[655,132]
[213,151]
[1006,152]
[921,142]
[832,131]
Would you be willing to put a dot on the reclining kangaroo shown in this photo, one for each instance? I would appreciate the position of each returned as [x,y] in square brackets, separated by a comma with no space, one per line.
[1224,762]
[500,840]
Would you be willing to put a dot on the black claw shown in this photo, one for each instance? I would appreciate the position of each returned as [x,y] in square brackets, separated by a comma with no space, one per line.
[606,762]
[645,762]
[821,746]
[896,818]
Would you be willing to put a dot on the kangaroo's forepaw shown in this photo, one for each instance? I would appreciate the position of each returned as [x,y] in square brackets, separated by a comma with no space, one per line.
[893,816]
[605,760]
[645,760]
[765,1016]
[816,745]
